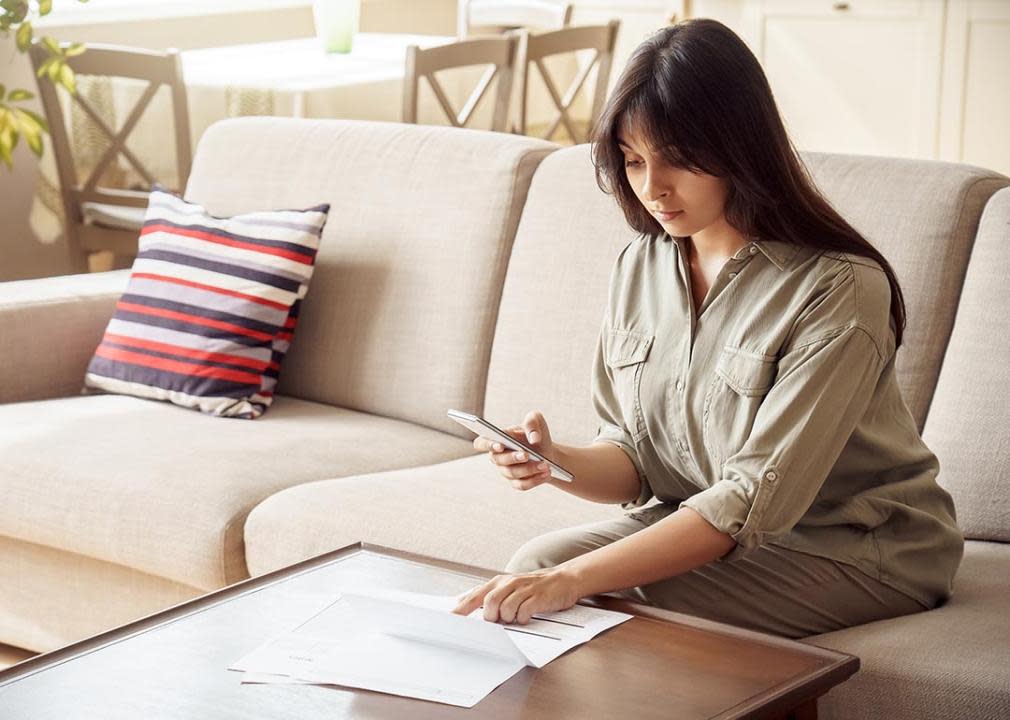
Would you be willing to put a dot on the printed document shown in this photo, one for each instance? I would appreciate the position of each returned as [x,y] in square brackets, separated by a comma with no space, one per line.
[412,644]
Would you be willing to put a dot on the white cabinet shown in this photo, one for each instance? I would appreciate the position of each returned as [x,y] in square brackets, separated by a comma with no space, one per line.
[975,98]
[856,76]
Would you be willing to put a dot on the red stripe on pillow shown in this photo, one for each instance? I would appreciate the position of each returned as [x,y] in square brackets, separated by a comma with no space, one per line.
[175,366]
[211,237]
[194,319]
[211,288]
[188,352]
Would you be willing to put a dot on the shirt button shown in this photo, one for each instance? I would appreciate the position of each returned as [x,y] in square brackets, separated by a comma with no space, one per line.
[732,274]
[753,249]
[680,385]
[771,476]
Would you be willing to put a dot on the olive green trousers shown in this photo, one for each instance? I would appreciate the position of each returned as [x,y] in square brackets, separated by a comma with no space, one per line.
[772,590]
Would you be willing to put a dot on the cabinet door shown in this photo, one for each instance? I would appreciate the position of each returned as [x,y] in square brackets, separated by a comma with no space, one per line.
[975,109]
[855,76]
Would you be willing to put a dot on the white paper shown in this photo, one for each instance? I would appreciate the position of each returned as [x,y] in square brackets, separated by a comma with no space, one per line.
[413,645]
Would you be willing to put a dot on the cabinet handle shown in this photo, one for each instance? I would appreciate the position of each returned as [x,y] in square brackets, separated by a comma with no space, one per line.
[840,6]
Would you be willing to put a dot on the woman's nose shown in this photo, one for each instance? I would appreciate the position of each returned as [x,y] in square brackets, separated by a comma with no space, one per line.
[650,190]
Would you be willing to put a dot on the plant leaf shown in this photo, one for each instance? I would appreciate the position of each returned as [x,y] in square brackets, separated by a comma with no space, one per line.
[67,79]
[51,45]
[24,35]
[39,120]
[3,91]
[45,6]
[31,130]
[74,49]
[18,95]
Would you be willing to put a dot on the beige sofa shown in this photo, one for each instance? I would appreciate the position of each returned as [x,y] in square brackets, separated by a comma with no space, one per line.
[469,270]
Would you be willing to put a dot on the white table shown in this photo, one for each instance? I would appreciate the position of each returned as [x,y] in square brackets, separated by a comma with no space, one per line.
[305,81]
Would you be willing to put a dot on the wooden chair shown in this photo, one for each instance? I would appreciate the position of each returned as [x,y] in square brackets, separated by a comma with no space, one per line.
[102,218]
[533,48]
[499,53]
[496,16]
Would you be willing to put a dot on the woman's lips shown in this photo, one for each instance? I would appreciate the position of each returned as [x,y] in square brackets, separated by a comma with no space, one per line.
[667,216]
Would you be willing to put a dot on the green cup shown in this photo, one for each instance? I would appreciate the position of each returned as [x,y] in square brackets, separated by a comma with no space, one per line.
[336,22]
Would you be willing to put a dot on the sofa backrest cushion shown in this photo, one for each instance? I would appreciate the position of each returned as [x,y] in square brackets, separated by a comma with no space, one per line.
[969,425]
[554,299]
[922,215]
[401,311]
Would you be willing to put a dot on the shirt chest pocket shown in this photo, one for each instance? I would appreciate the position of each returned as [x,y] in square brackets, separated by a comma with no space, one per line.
[742,379]
[627,352]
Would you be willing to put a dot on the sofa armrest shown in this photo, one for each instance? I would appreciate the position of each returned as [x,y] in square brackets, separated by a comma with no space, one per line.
[49,329]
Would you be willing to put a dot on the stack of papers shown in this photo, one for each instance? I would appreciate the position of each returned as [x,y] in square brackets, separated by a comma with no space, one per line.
[412,644]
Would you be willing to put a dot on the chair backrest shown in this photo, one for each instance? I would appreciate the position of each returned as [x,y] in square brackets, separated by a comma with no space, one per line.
[533,48]
[498,53]
[495,16]
[118,62]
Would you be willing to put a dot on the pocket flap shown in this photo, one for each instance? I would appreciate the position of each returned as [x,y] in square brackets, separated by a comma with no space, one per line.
[626,347]
[748,373]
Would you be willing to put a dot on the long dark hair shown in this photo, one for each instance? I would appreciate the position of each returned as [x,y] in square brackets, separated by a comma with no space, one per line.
[697,95]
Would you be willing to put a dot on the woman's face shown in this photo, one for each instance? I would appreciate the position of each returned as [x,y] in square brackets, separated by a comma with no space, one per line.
[683,202]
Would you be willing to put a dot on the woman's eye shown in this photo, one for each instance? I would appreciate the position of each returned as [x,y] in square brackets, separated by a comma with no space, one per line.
[631,163]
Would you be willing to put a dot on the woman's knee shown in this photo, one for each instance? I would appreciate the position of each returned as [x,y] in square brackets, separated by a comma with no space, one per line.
[543,552]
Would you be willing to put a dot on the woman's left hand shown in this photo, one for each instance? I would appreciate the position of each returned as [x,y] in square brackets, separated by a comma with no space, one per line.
[516,598]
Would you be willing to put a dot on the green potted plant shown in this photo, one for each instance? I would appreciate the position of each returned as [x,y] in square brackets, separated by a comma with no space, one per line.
[16,17]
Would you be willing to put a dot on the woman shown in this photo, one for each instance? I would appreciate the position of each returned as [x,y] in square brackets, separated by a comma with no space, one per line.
[745,378]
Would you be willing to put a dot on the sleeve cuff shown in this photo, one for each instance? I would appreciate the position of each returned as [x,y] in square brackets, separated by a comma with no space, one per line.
[615,436]
[728,506]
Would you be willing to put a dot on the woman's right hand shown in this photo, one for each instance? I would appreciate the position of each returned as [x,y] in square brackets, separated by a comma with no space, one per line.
[518,468]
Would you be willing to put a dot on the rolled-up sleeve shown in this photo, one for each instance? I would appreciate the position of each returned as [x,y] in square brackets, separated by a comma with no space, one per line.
[612,428]
[821,392]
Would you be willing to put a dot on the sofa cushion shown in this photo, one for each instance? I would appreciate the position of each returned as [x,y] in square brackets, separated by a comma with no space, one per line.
[165,490]
[968,425]
[922,215]
[461,510]
[950,662]
[408,276]
[210,308]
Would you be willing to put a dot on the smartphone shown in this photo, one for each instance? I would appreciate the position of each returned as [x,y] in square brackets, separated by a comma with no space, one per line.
[486,430]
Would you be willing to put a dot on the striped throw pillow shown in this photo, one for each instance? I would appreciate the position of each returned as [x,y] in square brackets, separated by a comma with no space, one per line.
[210,308]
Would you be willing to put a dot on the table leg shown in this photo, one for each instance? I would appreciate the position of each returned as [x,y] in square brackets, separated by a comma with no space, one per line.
[806,711]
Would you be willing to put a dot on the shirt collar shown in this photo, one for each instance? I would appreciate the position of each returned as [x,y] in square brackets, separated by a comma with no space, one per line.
[780,253]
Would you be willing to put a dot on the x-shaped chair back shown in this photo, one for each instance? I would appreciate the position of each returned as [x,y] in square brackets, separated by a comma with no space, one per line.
[498,53]
[106,60]
[495,16]
[533,48]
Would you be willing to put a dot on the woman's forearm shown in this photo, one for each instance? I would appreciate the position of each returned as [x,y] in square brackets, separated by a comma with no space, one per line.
[676,544]
[603,472]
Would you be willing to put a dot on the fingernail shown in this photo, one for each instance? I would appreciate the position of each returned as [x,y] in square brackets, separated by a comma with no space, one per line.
[520,456]
[498,447]
[542,466]
[534,436]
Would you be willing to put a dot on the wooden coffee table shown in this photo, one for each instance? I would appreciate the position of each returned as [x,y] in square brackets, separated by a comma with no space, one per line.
[174,664]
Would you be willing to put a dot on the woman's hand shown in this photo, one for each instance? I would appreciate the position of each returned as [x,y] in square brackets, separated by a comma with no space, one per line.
[516,598]
[517,467]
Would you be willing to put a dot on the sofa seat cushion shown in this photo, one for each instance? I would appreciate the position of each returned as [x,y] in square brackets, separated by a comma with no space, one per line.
[461,510]
[164,490]
[950,662]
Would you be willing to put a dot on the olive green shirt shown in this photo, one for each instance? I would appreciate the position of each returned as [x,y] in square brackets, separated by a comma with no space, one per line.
[773,410]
